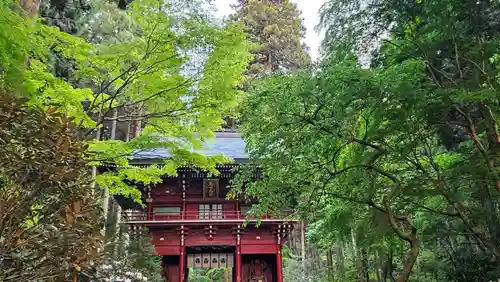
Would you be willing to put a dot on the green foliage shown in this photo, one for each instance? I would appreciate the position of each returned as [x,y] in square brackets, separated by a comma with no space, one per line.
[400,158]
[173,75]
[207,275]
[130,257]
[166,70]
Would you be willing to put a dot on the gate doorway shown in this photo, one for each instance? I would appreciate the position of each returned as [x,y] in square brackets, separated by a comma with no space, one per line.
[210,263]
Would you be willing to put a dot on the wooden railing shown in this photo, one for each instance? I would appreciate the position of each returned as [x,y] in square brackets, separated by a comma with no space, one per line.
[198,215]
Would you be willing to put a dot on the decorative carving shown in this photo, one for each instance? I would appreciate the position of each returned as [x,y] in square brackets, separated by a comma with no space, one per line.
[164,271]
[257,271]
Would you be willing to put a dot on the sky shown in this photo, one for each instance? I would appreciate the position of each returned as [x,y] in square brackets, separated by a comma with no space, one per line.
[310,15]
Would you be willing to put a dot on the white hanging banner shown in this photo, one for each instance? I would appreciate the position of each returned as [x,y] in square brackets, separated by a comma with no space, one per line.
[198,261]
[222,260]
[206,260]
[214,260]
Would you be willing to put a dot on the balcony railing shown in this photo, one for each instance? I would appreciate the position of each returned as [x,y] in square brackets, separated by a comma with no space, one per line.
[139,216]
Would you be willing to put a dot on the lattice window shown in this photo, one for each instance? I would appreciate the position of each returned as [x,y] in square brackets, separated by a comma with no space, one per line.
[207,211]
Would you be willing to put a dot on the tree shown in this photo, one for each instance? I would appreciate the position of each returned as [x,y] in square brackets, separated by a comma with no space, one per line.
[412,140]
[50,215]
[331,144]
[67,15]
[171,75]
[179,75]
[458,52]
[278,29]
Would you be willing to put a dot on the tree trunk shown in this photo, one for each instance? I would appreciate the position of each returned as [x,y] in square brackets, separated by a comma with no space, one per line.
[105,201]
[411,259]
[380,264]
[364,273]
[303,242]
[30,7]
[329,264]
[340,262]
[388,267]
[490,208]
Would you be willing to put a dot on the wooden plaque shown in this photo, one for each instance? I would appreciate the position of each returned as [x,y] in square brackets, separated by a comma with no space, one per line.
[210,188]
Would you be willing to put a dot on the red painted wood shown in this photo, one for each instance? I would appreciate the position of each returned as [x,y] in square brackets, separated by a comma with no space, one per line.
[238,209]
[245,272]
[258,249]
[191,211]
[279,264]
[258,236]
[170,238]
[167,250]
[202,239]
[150,208]
[255,242]
[237,263]
[159,204]
[182,261]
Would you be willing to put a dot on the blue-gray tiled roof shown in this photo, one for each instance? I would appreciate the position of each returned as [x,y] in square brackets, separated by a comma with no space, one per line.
[229,144]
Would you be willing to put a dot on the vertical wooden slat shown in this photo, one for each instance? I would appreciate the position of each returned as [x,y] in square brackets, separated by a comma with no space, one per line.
[230,260]
[205,260]
[190,261]
[198,261]
[223,260]
[214,260]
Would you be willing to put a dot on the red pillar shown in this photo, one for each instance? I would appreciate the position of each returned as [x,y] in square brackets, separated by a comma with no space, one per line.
[238,263]
[182,265]
[279,264]
[238,211]
[150,208]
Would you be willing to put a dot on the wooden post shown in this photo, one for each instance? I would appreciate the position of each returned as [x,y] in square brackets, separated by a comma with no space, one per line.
[279,261]
[238,263]
[182,266]
[238,211]
[182,258]
[106,201]
[303,242]
[150,208]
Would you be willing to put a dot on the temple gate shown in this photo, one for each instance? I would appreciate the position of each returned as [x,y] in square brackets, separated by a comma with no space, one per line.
[193,225]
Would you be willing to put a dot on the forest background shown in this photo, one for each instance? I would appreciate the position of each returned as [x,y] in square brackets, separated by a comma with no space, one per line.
[387,148]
